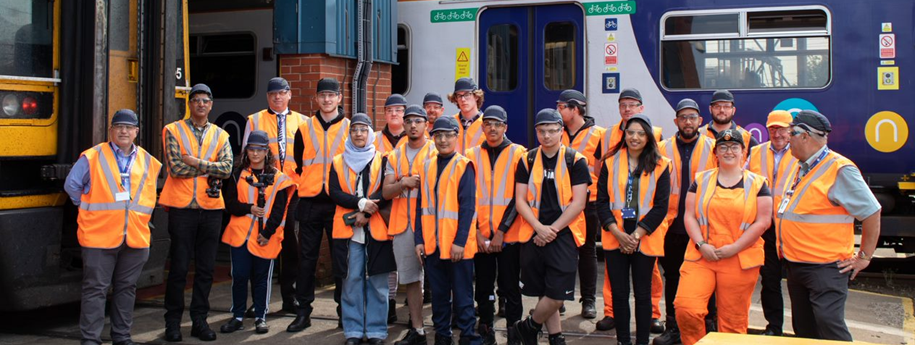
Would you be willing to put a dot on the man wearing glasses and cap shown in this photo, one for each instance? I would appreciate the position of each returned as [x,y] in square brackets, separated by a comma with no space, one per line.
[815,221]
[198,156]
[434,106]
[469,99]
[280,123]
[115,208]
[393,134]
[722,109]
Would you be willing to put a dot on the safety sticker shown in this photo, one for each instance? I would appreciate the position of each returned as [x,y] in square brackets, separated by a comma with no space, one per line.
[888,78]
[886,131]
[887,46]
[462,63]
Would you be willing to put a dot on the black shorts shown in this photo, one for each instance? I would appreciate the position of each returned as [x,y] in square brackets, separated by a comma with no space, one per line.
[550,270]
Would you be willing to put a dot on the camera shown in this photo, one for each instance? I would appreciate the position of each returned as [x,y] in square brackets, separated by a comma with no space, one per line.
[263,179]
[215,185]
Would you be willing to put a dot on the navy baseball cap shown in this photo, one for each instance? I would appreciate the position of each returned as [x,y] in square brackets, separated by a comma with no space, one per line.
[687,103]
[361,119]
[125,117]
[495,112]
[259,139]
[415,110]
[395,99]
[641,116]
[722,96]
[464,84]
[813,120]
[328,85]
[727,135]
[277,84]
[569,96]
[444,123]
[432,97]
[201,88]
[547,116]
[631,93]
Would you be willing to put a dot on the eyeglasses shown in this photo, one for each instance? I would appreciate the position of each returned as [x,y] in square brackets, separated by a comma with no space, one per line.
[201,100]
[493,124]
[722,106]
[277,93]
[123,127]
[732,148]
[463,95]
[394,110]
[688,117]
[562,106]
[630,105]
[780,131]
[414,121]
[635,132]
[444,135]
[548,131]
[257,150]
[355,130]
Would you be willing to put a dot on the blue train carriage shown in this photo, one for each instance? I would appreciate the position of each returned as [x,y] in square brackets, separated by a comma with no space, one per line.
[839,57]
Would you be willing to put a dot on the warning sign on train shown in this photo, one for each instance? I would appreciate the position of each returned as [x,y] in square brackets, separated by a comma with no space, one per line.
[462,63]
[888,46]
[611,52]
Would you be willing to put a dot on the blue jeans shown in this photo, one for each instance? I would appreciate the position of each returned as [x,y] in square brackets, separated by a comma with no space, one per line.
[365,299]
[259,271]
[452,291]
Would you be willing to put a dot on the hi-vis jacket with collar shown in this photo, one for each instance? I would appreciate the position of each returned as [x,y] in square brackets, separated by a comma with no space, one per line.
[495,189]
[702,159]
[318,154]
[587,142]
[181,192]
[244,229]
[563,192]
[266,121]
[403,207]
[346,180]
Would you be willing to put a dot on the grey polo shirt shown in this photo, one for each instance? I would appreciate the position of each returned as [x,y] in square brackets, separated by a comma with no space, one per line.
[849,191]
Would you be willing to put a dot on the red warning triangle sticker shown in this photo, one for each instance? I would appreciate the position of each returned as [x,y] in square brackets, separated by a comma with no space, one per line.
[462,57]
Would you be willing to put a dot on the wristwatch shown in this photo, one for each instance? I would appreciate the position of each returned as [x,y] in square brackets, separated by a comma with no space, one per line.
[699,245]
[863,256]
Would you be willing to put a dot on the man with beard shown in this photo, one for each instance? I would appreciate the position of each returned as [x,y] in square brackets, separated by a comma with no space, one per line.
[689,153]
[722,109]
[434,107]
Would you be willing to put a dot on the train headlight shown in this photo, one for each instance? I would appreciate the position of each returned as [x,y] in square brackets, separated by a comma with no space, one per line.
[10,105]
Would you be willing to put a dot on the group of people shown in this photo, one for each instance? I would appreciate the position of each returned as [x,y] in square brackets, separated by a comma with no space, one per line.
[450,207]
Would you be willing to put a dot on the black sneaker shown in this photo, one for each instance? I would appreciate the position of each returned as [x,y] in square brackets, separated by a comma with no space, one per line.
[443,340]
[557,339]
[260,326]
[671,336]
[526,332]
[512,337]
[232,326]
[201,330]
[488,335]
[772,332]
[656,326]
[412,338]
[392,311]
[588,310]
[606,324]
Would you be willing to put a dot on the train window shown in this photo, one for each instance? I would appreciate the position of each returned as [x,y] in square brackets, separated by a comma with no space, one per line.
[559,56]
[502,57]
[701,24]
[225,62]
[400,73]
[780,49]
[26,38]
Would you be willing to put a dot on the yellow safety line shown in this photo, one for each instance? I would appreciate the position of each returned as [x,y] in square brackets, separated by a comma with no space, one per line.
[908,325]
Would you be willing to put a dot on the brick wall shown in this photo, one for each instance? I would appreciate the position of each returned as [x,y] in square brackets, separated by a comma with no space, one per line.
[303,72]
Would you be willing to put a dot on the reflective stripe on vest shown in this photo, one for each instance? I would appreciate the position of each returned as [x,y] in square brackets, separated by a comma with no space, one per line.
[441,209]
[182,192]
[347,179]
[618,179]
[309,185]
[587,144]
[761,158]
[384,146]
[476,128]
[242,229]
[563,192]
[404,205]
[492,198]
[267,122]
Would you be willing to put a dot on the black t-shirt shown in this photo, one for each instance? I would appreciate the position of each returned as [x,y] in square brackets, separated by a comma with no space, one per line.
[764,191]
[549,206]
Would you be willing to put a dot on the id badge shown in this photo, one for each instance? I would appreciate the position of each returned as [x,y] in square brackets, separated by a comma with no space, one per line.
[122,196]
[628,213]
[783,205]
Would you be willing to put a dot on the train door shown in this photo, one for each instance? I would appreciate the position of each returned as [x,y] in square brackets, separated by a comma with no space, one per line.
[528,55]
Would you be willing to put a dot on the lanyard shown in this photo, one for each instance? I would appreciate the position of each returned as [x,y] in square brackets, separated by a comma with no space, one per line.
[797,177]
[125,171]
[629,190]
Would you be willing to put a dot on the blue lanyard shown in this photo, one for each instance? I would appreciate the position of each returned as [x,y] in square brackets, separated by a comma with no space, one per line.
[797,177]
[125,171]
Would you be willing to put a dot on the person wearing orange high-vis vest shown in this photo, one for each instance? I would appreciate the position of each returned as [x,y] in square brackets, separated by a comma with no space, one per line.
[319,138]
[255,230]
[393,134]
[469,99]
[552,184]
[632,205]
[774,161]
[630,104]
[401,186]
[582,135]
[727,209]
[689,153]
[281,123]
[363,248]
[446,233]
[434,107]
[497,236]
[198,156]
[815,228]
[722,109]
[114,186]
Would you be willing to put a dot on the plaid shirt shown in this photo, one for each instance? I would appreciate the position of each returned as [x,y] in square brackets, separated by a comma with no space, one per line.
[220,169]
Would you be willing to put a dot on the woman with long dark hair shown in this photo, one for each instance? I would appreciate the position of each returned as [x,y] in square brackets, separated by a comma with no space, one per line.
[255,230]
[632,194]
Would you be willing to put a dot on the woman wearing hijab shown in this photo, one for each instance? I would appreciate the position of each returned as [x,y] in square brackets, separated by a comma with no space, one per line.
[362,246]
[727,209]
[255,231]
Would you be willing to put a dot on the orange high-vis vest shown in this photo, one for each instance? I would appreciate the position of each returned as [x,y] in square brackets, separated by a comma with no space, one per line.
[617,179]
[704,130]
[812,229]
[702,159]
[181,192]
[384,146]
[613,135]
[587,143]
[318,154]
[244,229]
[347,178]
[495,189]
[265,121]
[108,215]
[440,208]
[706,185]
[403,207]
[471,137]
[765,166]
[563,191]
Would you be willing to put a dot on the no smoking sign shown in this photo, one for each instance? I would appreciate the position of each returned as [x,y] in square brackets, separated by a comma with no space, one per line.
[888,46]
[611,52]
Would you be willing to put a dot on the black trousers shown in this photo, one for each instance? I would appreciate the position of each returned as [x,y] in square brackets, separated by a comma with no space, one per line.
[289,255]
[619,268]
[587,255]
[509,279]
[818,293]
[315,220]
[195,235]
[485,267]
[674,250]
[771,294]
